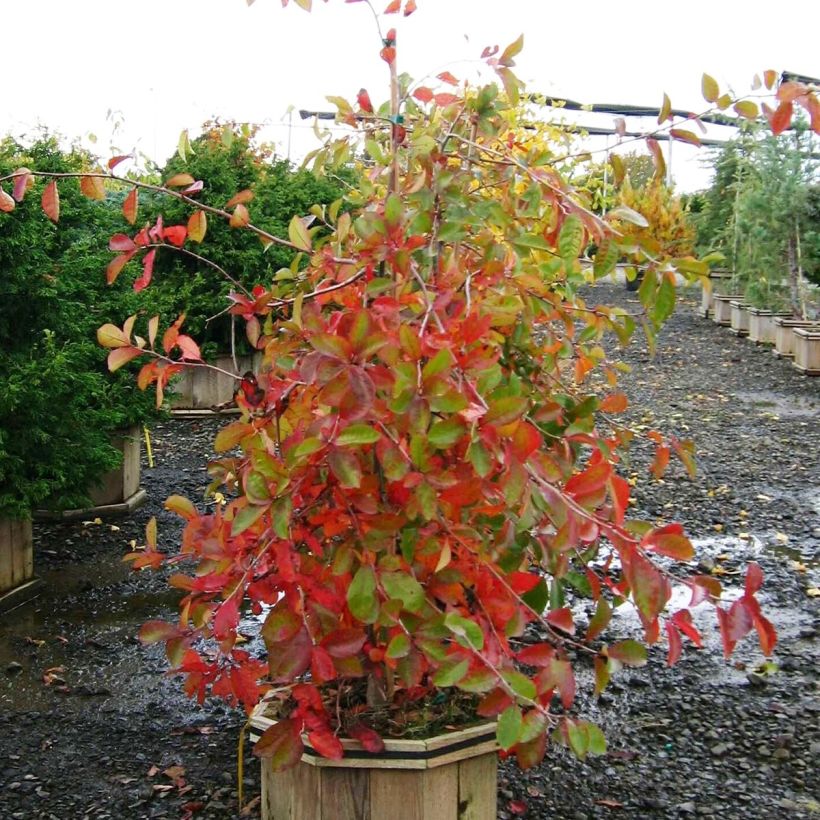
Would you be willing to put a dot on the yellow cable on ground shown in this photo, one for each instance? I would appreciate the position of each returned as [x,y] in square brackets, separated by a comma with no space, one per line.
[148,449]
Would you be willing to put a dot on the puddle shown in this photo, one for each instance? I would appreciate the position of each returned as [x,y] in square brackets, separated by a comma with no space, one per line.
[772,403]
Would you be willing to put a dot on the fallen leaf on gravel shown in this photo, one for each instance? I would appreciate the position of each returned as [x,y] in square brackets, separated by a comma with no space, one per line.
[152,772]
[761,497]
[248,810]
[173,772]
[517,806]
[609,803]
[34,641]
[813,592]
[532,791]
[782,537]
[161,788]
[797,566]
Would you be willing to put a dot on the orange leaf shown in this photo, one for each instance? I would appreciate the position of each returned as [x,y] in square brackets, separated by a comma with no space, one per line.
[240,198]
[409,7]
[92,187]
[685,136]
[129,207]
[614,403]
[122,355]
[197,226]
[179,181]
[115,161]
[393,8]
[115,266]
[780,118]
[447,77]
[51,201]
[423,94]
[6,202]
[240,217]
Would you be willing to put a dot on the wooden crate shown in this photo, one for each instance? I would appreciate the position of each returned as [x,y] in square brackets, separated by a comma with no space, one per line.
[718,281]
[807,350]
[200,389]
[722,308]
[739,318]
[761,325]
[449,777]
[784,335]
[118,493]
[16,560]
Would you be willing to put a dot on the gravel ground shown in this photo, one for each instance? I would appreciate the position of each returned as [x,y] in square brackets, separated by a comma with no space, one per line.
[91,727]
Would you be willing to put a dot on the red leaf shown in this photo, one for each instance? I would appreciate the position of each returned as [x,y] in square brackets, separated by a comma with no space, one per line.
[734,624]
[363,99]
[195,188]
[675,645]
[23,180]
[326,743]
[51,201]
[539,654]
[526,440]
[423,94]
[780,118]
[115,161]
[388,54]
[281,744]
[122,243]
[147,271]
[561,619]
[129,206]
[409,7]
[175,235]
[393,8]
[517,807]
[189,348]
[6,202]
[367,737]
[226,619]
[767,634]
[754,578]
[444,99]
[344,643]
[321,665]
[683,621]
[447,77]
[590,480]
[115,266]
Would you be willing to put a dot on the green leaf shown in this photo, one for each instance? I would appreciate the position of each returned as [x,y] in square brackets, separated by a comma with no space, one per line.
[230,435]
[468,633]
[445,433]
[570,238]
[510,724]
[506,409]
[664,301]
[628,652]
[480,459]
[256,488]
[298,234]
[405,588]
[537,597]
[305,448]
[357,434]
[626,214]
[442,361]
[280,514]
[393,210]
[361,595]
[578,737]
[519,683]
[606,257]
[345,466]
[399,646]
[451,672]
[281,745]
[245,518]
[597,741]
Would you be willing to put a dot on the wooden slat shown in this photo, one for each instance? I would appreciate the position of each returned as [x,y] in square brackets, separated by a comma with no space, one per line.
[20,545]
[477,796]
[28,554]
[346,794]
[6,547]
[277,791]
[440,793]
[395,795]
[294,794]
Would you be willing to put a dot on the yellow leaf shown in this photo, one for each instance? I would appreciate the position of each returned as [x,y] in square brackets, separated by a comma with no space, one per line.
[782,537]
[813,592]
[298,234]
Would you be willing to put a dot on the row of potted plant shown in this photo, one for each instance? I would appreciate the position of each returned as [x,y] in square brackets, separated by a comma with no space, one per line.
[791,337]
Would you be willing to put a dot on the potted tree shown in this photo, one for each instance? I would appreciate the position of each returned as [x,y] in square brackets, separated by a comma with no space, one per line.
[423,477]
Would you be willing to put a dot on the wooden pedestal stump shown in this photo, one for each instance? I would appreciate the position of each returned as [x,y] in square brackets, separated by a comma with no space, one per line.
[17,581]
[722,308]
[448,777]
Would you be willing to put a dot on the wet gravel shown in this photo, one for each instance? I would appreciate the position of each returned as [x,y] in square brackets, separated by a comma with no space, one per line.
[92,727]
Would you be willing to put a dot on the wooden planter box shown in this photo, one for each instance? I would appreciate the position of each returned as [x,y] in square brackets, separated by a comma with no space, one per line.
[118,492]
[199,389]
[722,308]
[740,318]
[17,581]
[718,280]
[761,325]
[807,349]
[448,777]
[784,335]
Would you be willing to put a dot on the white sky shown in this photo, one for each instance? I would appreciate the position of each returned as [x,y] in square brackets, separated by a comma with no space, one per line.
[165,65]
